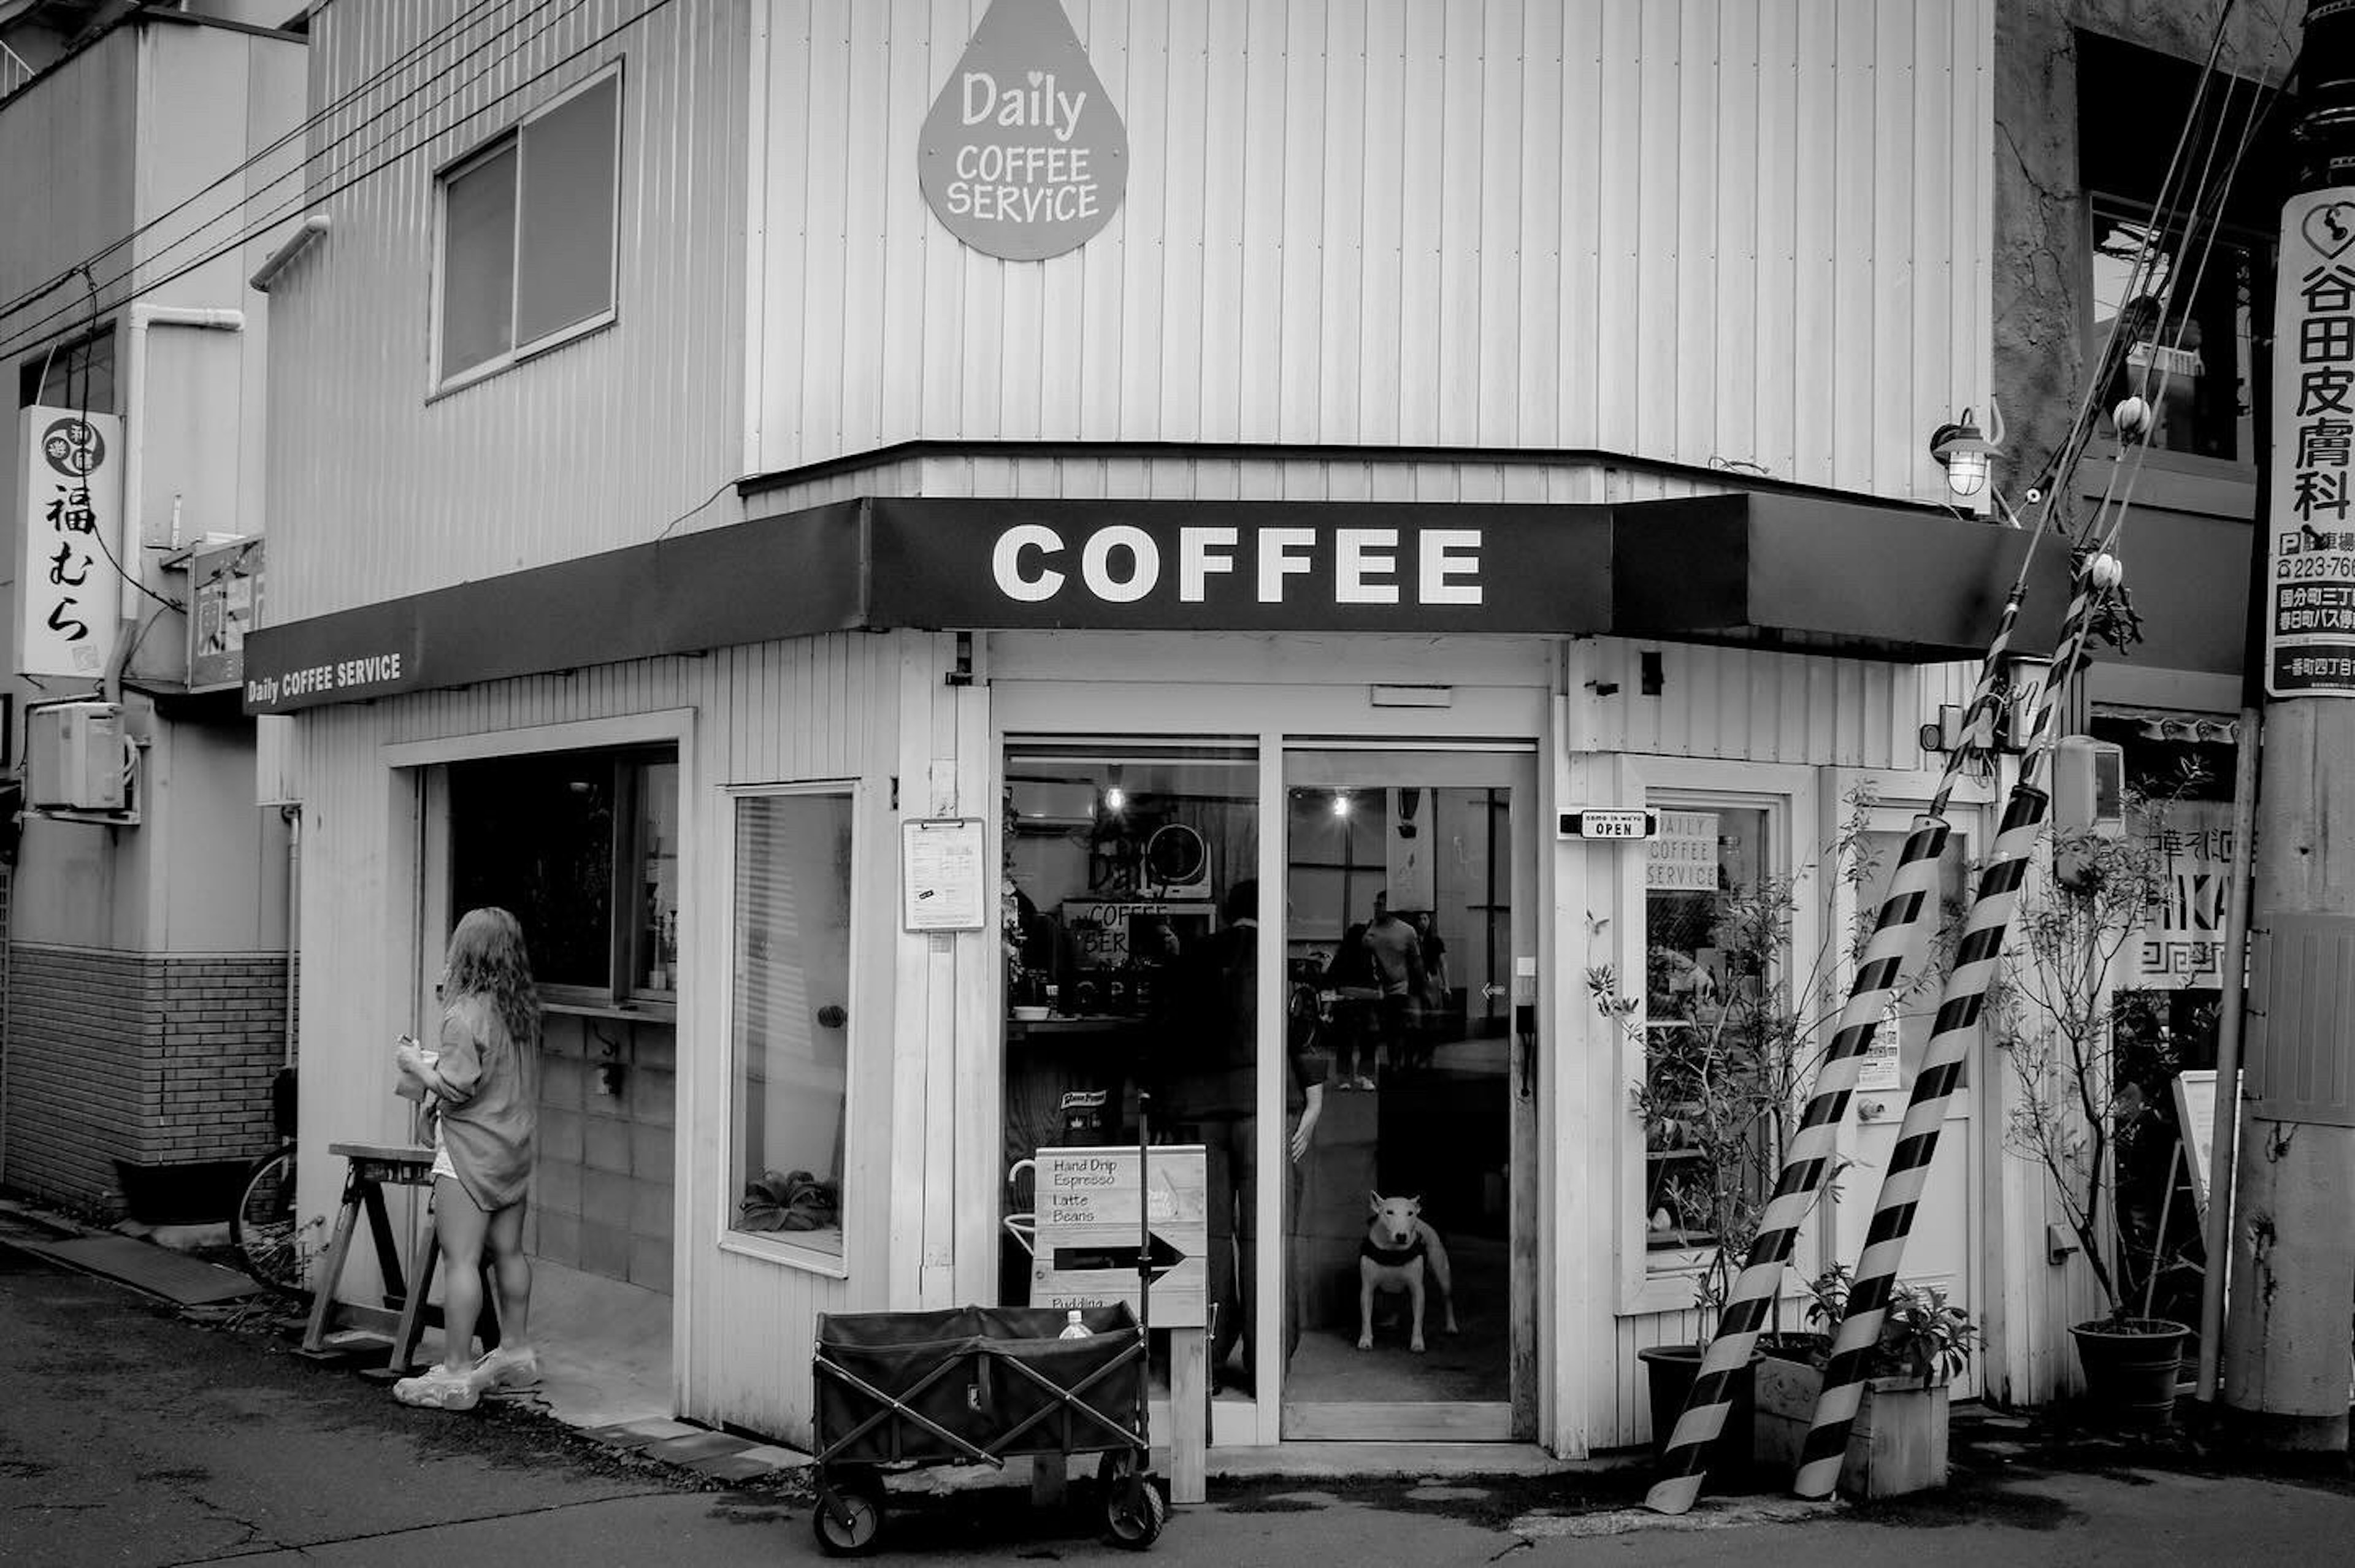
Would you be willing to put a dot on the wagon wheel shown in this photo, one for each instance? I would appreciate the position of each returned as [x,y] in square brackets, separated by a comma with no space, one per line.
[1135,1522]
[848,1515]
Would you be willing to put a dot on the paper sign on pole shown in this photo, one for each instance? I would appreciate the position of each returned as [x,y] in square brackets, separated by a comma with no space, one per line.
[69,508]
[2310,605]
[1089,1242]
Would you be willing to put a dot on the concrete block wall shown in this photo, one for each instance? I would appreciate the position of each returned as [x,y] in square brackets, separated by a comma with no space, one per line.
[602,1179]
[152,1059]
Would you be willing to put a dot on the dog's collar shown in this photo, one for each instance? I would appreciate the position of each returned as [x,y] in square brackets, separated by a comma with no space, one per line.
[1391,1257]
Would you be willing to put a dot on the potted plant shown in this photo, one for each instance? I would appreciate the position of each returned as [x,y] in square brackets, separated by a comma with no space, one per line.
[1730,1045]
[1898,1443]
[2055,1020]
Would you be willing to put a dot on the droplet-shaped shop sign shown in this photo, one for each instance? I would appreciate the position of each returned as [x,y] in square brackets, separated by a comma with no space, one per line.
[1023,155]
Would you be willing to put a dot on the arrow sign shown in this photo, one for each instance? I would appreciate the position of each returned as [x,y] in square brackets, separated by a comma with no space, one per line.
[1099,1216]
[1123,1260]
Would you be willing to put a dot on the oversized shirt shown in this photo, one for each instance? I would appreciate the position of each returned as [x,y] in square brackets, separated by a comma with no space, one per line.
[488,1109]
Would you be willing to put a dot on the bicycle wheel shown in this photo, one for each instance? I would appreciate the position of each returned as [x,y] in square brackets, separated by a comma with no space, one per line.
[262,1227]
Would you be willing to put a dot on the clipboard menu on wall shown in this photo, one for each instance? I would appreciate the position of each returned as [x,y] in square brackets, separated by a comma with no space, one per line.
[941,884]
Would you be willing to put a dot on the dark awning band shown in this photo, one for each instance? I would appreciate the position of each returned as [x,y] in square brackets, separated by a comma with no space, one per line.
[1865,581]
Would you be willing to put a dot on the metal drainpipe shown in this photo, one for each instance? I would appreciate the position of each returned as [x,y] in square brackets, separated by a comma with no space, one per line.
[292,816]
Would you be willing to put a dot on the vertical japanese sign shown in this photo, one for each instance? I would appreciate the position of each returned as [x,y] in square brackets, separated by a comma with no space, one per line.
[1023,155]
[2310,612]
[225,583]
[70,505]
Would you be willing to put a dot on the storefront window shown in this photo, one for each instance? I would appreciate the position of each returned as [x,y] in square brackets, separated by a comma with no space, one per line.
[789,987]
[1714,925]
[582,847]
[1124,864]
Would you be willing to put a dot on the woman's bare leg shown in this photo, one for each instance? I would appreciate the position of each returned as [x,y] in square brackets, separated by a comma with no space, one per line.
[512,1270]
[460,1228]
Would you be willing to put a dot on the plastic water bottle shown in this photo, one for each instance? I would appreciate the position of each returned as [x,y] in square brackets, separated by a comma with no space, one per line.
[1074,1329]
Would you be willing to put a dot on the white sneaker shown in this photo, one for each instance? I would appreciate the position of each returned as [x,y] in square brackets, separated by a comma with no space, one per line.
[438,1388]
[505,1368]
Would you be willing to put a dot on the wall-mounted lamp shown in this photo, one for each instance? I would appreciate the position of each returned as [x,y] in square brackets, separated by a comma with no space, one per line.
[1962,450]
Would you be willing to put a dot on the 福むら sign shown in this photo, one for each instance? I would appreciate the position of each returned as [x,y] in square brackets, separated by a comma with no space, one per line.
[1023,155]
[1090,1245]
[2310,537]
[69,505]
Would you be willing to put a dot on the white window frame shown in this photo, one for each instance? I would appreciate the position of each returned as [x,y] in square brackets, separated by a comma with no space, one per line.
[482,152]
[776,1246]
[1653,1282]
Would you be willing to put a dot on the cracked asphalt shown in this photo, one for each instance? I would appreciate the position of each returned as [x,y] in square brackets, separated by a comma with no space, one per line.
[129,1434]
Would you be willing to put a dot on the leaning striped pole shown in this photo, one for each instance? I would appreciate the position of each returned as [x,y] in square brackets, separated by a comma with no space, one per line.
[1895,938]
[1976,955]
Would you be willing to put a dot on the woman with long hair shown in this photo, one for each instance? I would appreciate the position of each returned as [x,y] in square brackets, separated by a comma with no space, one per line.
[487,1112]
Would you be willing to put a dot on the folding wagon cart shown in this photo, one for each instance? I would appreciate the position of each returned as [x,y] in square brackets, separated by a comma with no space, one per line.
[976,1384]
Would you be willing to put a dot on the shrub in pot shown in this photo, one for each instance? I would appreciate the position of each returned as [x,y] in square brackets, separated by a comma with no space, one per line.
[1898,1442]
[2056,1022]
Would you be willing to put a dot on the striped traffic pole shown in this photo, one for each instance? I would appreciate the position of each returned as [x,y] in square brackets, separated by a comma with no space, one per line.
[1913,888]
[1976,957]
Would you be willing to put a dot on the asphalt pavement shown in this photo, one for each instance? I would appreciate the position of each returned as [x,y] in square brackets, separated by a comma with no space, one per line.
[132,1434]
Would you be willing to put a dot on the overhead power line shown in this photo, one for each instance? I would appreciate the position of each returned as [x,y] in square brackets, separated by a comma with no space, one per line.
[385,73]
[33,331]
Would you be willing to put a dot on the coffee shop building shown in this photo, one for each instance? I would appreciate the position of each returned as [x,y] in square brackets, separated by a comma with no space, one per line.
[869,658]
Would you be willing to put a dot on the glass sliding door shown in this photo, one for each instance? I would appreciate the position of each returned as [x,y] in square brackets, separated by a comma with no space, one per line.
[1410,1243]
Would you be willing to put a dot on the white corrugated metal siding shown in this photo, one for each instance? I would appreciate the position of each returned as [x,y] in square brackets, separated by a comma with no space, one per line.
[814,708]
[599,443]
[1687,230]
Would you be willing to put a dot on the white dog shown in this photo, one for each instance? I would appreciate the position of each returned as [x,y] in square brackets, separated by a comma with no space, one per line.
[1400,1251]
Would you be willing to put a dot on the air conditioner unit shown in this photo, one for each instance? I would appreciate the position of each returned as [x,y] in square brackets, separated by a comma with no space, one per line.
[74,758]
[1042,805]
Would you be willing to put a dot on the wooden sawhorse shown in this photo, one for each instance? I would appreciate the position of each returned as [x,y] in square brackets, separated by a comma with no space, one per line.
[369,1169]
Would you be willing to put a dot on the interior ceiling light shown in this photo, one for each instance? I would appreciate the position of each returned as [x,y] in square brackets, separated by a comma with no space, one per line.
[1341,803]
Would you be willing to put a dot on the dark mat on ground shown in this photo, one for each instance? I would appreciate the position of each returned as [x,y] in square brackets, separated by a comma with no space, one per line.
[191,1282]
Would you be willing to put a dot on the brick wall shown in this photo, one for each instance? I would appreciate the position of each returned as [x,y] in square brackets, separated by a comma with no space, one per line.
[153,1059]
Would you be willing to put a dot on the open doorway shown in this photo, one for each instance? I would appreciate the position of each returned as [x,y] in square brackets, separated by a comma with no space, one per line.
[582,847]
[1409,940]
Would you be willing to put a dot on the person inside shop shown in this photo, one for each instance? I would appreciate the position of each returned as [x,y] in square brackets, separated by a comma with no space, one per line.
[1397,952]
[1357,999]
[1209,1089]
[1433,998]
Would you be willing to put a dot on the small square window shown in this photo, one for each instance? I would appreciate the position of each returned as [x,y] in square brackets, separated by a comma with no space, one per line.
[527,233]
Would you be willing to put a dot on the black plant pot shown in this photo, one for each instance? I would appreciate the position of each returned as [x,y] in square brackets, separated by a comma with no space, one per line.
[1672,1369]
[2132,1366]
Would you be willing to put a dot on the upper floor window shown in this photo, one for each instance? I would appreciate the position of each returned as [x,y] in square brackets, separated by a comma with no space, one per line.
[75,374]
[528,234]
[2174,314]
[2177,272]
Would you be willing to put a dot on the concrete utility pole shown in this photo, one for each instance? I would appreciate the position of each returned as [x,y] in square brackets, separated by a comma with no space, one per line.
[2286,1361]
